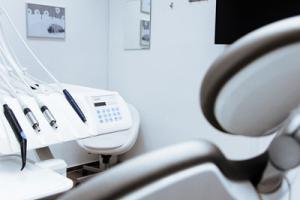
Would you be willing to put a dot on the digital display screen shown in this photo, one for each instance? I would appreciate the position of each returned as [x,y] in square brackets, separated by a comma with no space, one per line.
[235,18]
[100,104]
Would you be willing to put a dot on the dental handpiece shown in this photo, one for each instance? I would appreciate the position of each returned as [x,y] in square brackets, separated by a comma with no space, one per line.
[74,105]
[46,112]
[44,109]
[32,119]
[19,133]
[48,115]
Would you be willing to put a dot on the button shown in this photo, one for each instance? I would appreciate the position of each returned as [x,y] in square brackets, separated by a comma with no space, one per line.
[116,118]
[103,111]
[101,121]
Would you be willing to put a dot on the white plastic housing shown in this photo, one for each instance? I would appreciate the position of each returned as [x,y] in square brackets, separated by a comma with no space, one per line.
[70,127]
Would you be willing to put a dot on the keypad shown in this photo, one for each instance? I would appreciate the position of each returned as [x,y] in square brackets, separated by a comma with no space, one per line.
[108,114]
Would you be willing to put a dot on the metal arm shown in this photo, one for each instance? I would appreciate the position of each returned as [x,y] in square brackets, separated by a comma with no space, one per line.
[284,153]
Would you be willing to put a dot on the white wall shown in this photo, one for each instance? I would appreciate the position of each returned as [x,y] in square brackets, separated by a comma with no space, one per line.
[163,83]
[79,59]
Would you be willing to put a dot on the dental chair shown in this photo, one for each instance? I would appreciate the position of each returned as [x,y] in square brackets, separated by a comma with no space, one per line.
[252,90]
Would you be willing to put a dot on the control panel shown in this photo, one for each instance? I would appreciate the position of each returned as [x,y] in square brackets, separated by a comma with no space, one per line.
[111,113]
[107,114]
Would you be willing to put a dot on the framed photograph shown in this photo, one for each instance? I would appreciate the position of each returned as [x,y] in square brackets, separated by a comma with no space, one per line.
[146,6]
[45,21]
[145,36]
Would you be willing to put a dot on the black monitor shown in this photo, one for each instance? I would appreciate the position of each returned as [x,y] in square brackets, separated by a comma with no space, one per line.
[235,18]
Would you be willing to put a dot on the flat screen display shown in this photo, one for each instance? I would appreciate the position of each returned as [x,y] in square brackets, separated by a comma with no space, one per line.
[100,104]
[236,18]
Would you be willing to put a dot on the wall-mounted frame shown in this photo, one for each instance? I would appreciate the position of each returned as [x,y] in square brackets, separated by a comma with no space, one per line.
[146,6]
[145,34]
[45,21]
[137,32]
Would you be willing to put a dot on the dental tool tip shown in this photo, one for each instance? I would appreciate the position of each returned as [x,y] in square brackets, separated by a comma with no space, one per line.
[54,125]
[37,128]
[23,166]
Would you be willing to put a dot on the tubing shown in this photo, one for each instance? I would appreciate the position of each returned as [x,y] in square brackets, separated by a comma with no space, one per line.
[66,93]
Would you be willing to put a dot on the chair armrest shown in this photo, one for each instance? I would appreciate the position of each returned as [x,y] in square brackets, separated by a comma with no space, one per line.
[147,168]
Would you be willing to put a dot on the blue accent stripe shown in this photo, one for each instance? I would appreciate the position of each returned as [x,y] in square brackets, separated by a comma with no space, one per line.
[23,135]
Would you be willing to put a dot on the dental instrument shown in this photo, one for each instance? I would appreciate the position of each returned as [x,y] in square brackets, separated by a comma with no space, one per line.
[13,67]
[17,130]
[27,111]
[19,133]
[66,93]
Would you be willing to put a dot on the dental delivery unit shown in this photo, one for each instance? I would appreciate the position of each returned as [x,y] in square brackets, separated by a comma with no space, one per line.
[37,114]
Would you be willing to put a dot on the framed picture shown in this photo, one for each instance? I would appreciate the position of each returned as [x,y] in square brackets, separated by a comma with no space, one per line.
[45,21]
[145,36]
[146,6]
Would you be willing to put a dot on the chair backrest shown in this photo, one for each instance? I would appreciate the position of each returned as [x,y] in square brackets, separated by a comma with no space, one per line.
[251,88]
